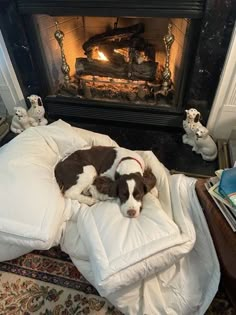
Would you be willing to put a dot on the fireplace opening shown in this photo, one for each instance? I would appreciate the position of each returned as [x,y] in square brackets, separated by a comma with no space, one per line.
[126,60]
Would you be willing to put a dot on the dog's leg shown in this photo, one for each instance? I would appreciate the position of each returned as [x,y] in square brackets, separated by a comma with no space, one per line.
[92,190]
[185,138]
[84,181]
[15,130]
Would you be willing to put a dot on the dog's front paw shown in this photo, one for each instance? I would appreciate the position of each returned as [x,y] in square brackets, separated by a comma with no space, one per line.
[91,191]
[91,201]
[184,138]
[87,192]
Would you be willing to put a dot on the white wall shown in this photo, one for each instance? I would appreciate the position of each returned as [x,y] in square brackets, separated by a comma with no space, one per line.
[10,91]
[3,110]
[222,119]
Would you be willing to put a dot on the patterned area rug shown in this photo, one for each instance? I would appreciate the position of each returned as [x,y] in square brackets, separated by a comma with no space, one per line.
[47,283]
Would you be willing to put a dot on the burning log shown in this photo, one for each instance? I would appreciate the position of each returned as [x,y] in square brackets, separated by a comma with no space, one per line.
[119,38]
[116,34]
[111,55]
[145,71]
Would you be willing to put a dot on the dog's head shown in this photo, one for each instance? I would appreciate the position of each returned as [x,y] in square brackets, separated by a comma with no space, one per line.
[201,132]
[35,100]
[193,114]
[129,189]
[20,112]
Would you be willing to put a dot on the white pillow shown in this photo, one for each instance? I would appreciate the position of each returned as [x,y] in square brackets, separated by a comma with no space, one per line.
[32,208]
[94,138]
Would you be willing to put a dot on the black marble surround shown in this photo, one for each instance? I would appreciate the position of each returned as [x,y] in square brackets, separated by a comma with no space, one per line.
[216,30]
[216,24]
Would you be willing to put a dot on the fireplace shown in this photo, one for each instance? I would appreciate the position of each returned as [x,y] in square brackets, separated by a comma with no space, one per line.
[132,61]
[114,61]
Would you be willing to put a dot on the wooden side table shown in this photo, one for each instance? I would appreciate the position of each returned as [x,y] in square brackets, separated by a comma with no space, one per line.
[223,237]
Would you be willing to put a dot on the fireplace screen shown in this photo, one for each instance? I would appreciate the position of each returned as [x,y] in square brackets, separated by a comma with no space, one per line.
[119,60]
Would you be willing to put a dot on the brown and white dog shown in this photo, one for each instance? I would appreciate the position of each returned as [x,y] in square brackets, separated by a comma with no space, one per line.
[104,173]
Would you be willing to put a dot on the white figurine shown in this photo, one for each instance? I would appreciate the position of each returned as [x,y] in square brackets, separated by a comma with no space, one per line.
[21,120]
[204,144]
[190,124]
[37,110]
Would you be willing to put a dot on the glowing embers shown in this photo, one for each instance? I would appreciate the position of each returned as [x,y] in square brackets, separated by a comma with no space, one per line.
[118,90]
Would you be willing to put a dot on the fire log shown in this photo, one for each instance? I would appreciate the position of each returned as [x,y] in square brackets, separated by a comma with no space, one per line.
[116,34]
[145,71]
[112,56]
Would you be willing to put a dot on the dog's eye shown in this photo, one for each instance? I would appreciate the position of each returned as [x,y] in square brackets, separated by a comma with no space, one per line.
[124,194]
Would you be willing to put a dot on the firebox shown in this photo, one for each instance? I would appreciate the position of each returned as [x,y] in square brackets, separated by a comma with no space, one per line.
[129,61]
[123,60]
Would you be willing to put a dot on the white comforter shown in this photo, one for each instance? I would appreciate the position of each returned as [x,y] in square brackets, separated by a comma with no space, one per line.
[163,262]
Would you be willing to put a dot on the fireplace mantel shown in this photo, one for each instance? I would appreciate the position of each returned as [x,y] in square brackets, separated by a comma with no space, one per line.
[147,8]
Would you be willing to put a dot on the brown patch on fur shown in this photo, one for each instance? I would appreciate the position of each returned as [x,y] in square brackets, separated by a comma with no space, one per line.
[197,118]
[123,190]
[68,170]
[119,187]
[40,102]
[149,180]
[106,186]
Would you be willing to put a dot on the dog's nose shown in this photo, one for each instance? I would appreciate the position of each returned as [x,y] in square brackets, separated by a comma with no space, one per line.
[131,213]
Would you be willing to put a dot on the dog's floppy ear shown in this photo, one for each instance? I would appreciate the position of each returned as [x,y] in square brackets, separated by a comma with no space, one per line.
[40,103]
[106,186]
[149,180]
[197,118]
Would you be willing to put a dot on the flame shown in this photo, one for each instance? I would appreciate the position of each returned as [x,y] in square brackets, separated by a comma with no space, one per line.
[102,56]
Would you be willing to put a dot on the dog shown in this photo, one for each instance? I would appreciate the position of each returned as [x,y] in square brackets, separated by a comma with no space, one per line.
[37,110]
[204,144]
[101,173]
[190,124]
[21,120]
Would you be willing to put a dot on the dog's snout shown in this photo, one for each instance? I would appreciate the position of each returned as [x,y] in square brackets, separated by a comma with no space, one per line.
[131,213]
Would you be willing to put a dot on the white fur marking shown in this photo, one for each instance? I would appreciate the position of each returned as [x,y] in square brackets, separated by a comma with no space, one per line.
[131,203]
[84,181]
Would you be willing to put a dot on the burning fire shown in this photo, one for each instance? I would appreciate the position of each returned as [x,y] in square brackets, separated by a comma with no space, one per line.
[102,56]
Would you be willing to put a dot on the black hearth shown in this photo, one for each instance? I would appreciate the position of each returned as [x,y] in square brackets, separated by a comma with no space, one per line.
[129,85]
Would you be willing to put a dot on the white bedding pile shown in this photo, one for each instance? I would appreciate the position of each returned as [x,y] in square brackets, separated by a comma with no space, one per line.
[32,210]
[162,262]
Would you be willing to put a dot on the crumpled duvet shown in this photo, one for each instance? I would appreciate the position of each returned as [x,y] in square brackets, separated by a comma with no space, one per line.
[162,262]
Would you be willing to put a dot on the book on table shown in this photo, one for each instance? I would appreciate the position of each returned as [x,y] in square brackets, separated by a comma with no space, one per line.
[226,208]
[227,185]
